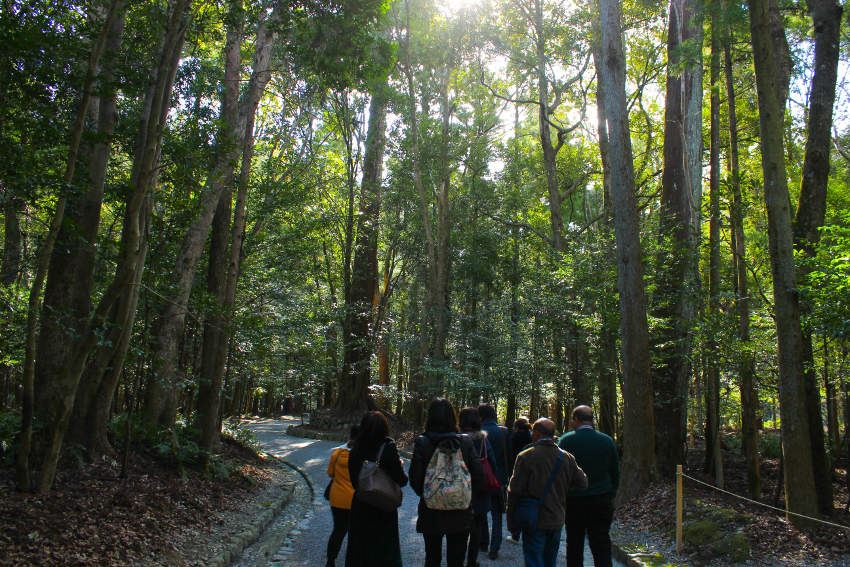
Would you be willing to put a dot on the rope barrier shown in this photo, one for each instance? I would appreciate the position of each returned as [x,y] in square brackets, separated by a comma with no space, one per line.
[843,527]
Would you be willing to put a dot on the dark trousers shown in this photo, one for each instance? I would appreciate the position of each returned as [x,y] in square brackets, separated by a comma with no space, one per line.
[478,526]
[455,549]
[589,516]
[493,541]
[540,547]
[340,517]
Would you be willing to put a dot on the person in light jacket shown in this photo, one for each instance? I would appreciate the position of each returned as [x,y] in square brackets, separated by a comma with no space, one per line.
[340,494]
[531,471]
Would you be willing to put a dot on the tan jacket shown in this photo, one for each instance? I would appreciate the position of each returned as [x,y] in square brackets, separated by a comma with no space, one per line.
[531,471]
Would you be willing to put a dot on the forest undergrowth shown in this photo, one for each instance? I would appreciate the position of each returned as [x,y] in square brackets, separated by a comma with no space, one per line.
[169,510]
[720,529]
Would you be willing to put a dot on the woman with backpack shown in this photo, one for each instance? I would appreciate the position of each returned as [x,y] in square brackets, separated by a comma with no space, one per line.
[445,472]
[470,424]
[339,493]
[373,531]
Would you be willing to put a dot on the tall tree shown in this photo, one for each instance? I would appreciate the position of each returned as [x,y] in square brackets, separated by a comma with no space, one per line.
[811,210]
[679,222]
[360,340]
[45,253]
[771,85]
[234,138]
[638,448]
[713,453]
[746,364]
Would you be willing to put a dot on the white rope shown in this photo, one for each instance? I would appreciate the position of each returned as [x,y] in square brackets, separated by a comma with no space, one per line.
[766,505]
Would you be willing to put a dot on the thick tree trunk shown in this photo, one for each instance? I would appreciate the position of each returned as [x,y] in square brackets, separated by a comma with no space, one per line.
[801,492]
[133,239]
[713,453]
[360,340]
[71,276]
[638,447]
[212,355]
[826,17]
[57,390]
[746,366]
[678,257]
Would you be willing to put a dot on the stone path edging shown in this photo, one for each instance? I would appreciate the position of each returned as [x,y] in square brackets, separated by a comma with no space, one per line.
[251,533]
[271,539]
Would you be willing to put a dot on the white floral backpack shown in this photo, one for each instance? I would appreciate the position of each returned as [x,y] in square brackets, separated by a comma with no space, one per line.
[448,485]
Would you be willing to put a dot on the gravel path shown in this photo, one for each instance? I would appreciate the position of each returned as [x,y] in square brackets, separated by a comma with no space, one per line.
[305,546]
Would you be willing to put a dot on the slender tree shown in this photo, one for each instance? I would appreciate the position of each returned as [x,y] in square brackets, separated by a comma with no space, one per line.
[800,489]
[811,210]
[638,448]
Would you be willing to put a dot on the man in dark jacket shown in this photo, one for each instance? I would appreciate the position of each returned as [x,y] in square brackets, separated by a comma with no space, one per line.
[498,436]
[531,473]
[590,510]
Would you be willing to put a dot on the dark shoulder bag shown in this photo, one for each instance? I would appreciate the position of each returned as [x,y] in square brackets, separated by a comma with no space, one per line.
[375,487]
[528,508]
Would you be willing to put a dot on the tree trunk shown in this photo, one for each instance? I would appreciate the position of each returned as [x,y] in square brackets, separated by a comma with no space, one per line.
[360,340]
[826,17]
[212,355]
[145,167]
[678,255]
[441,269]
[638,448]
[746,366]
[55,388]
[713,452]
[801,493]
[607,422]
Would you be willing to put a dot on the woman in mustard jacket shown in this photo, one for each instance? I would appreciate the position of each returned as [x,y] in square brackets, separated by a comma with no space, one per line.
[340,493]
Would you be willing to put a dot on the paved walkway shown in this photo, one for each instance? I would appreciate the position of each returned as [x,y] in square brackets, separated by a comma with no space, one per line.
[306,546]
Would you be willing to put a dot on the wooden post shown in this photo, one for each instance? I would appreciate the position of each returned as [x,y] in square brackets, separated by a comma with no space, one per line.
[679,509]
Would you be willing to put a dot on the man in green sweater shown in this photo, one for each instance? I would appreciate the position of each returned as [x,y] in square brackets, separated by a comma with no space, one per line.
[591,510]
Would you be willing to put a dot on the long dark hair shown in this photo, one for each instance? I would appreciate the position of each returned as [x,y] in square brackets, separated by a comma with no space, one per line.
[441,417]
[373,430]
[470,420]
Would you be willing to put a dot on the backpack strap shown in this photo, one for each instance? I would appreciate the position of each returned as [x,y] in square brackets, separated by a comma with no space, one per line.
[553,474]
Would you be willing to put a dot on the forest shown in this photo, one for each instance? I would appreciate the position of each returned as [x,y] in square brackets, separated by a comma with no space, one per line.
[254,207]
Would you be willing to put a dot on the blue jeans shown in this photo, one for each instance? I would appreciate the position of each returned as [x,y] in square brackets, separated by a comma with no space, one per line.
[540,547]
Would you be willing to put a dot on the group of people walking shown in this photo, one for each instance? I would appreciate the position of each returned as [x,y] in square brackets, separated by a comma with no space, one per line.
[468,472]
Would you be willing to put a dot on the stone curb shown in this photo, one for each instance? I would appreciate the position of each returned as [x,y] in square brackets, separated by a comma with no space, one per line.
[623,557]
[236,543]
[273,537]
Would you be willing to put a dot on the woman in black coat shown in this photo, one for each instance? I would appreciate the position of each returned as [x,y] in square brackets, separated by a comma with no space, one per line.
[373,533]
[441,430]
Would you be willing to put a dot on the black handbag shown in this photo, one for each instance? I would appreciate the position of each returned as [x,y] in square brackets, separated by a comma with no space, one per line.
[375,487]
[528,508]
